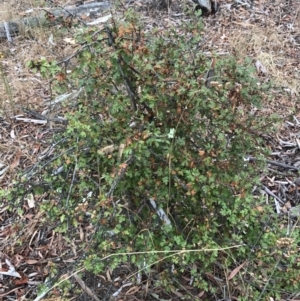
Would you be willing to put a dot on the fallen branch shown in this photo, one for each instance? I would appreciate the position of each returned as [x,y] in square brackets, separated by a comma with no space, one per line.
[12,28]
[276,164]
[85,287]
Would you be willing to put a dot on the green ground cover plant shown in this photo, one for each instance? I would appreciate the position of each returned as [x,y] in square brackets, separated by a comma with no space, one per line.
[150,130]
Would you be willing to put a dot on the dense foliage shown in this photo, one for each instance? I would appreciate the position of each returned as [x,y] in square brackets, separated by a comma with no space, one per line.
[151,130]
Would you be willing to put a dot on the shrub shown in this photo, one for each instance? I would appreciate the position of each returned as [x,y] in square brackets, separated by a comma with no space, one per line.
[149,131]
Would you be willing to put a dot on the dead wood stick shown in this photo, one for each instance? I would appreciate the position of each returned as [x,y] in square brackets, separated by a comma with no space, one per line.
[85,287]
[269,192]
[276,164]
[14,26]
[282,165]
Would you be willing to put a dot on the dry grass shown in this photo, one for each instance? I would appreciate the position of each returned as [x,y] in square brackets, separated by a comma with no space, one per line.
[271,47]
[268,37]
[19,87]
[33,43]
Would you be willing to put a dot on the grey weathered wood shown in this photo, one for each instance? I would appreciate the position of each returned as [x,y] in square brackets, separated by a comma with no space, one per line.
[14,26]
[205,3]
[8,36]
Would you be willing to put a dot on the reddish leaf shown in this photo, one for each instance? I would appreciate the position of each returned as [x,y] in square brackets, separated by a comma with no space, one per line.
[236,270]
[16,160]
[31,261]
[23,280]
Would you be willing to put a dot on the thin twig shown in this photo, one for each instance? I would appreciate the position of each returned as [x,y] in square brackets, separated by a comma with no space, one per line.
[268,191]
[276,164]
[85,287]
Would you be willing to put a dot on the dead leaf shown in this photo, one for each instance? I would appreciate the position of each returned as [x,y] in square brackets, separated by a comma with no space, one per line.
[260,67]
[30,201]
[236,270]
[29,216]
[31,261]
[132,290]
[12,134]
[23,280]
[60,76]
[70,41]
[174,291]
[16,161]
[17,259]
[70,260]
[23,14]
[36,149]
[201,294]
[259,208]
[81,234]
[108,273]
[10,271]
